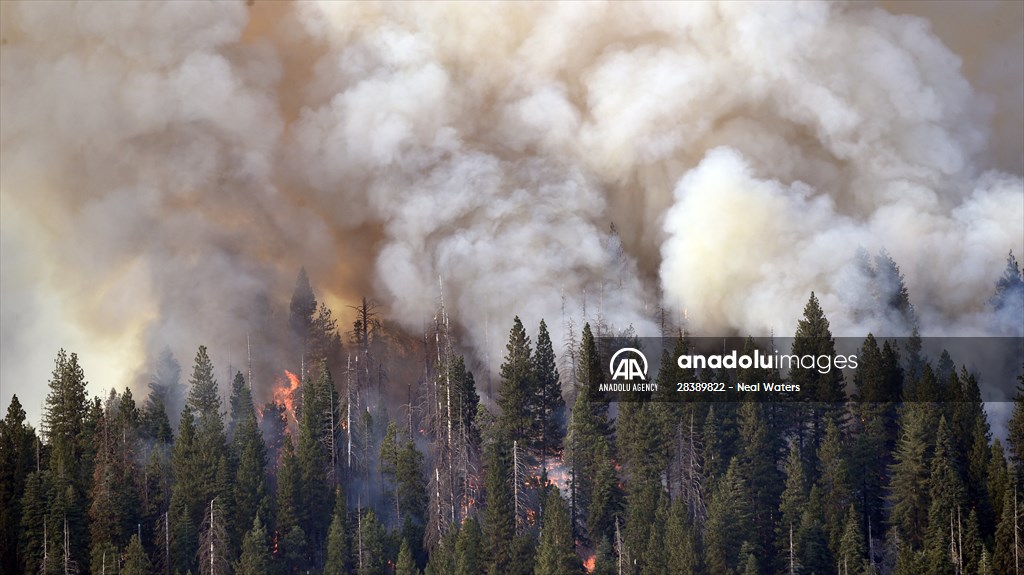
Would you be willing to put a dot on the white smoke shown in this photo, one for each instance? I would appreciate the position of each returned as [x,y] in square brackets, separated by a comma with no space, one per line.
[166,168]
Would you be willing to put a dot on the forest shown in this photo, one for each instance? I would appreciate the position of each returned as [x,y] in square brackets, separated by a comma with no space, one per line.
[895,472]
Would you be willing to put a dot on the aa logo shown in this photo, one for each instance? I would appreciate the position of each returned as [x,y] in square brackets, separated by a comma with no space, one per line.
[626,364]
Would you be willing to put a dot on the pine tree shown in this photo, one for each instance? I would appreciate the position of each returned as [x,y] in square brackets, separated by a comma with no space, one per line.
[908,491]
[313,454]
[758,471]
[852,556]
[68,423]
[135,560]
[812,541]
[249,489]
[255,557]
[337,540]
[469,553]
[17,458]
[31,534]
[289,509]
[998,482]
[517,395]
[371,560]
[499,516]
[947,493]
[1008,554]
[728,508]
[556,554]
[834,484]
[681,556]
[551,404]
[791,504]
[825,390]
[203,395]
[405,565]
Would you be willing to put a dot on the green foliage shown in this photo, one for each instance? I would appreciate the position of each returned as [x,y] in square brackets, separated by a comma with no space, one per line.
[469,552]
[135,560]
[255,558]
[517,393]
[556,554]
[405,565]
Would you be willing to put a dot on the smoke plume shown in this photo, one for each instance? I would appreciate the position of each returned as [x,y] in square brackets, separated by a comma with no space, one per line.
[167,168]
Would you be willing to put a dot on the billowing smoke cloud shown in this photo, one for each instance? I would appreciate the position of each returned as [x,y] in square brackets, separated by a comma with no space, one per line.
[167,168]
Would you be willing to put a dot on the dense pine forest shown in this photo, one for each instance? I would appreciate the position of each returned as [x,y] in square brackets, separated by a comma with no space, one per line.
[897,472]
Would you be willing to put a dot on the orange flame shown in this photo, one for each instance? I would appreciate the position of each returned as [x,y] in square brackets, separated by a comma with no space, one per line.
[284,393]
[588,563]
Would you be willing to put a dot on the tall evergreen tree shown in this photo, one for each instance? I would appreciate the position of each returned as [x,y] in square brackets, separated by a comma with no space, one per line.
[550,403]
[556,554]
[17,459]
[852,555]
[249,489]
[908,491]
[405,564]
[469,552]
[338,547]
[68,423]
[826,391]
[517,396]
[728,508]
[499,514]
[135,560]
[255,557]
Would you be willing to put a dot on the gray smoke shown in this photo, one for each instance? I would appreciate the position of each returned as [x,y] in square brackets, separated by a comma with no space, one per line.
[168,167]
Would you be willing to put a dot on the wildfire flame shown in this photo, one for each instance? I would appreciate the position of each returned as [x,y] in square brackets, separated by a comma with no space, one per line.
[284,391]
[588,563]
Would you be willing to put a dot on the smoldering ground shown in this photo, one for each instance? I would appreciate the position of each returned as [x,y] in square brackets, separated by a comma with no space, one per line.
[168,167]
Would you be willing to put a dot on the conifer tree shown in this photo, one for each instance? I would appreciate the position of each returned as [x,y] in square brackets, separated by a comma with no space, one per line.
[551,404]
[681,553]
[826,391]
[68,423]
[255,557]
[338,547]
[1008,556]
[758,471]
[469,553]
[791,504]
[313,455]
[947,494]
[812,540]
[135,560]
[727,509]
[370,559]
[249,489]
[17,459]
[834,484]
[203,395]
[517,395]
[499,514]
[405,565]
[852,555]
[556,554]
[908,491]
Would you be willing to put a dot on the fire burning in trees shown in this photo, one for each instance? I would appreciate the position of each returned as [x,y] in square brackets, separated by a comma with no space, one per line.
[588,563]
[284,392]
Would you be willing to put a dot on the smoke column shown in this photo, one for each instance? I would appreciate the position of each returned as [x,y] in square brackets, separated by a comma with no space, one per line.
[166,168]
